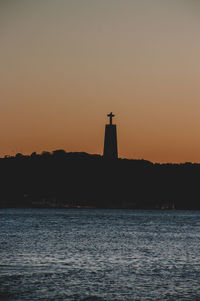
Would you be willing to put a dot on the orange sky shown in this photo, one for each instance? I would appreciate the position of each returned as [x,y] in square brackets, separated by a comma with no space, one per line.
[65,64]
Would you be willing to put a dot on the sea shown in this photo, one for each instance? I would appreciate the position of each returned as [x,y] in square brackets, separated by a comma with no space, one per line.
[96,255]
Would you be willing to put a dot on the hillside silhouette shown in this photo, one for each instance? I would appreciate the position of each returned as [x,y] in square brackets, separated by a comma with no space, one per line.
[81,180]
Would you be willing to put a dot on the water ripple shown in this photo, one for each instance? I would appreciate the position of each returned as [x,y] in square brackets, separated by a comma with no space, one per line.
[99,255]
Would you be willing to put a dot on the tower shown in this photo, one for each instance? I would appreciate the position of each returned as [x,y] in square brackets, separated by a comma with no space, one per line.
[110,142]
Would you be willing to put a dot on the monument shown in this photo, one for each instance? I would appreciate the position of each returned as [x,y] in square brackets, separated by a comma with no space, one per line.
[110,142]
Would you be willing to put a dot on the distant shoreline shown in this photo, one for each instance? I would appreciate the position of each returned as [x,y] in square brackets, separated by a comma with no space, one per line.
[80,180]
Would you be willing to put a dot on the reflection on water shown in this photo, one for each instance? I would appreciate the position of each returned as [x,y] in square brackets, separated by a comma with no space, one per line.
[99,255]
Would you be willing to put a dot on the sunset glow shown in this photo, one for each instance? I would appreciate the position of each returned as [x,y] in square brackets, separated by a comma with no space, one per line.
[66,64]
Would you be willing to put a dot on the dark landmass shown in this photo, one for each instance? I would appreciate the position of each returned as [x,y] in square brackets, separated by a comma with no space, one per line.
[80,180]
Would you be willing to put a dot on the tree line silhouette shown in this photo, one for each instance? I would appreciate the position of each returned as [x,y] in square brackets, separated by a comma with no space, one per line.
[63,179]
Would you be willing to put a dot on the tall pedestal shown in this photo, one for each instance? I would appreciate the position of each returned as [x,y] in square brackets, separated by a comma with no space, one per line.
[110,142]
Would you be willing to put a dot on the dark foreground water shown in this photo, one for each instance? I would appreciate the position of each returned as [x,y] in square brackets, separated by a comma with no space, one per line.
[99,255]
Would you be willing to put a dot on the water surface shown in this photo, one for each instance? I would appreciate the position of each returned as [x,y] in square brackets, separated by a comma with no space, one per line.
[58,254]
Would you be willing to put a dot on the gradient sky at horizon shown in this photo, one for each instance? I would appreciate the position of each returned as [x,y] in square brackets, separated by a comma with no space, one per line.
[65,64]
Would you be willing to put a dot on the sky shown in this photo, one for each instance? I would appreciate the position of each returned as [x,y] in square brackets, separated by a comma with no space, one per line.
[65,64]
